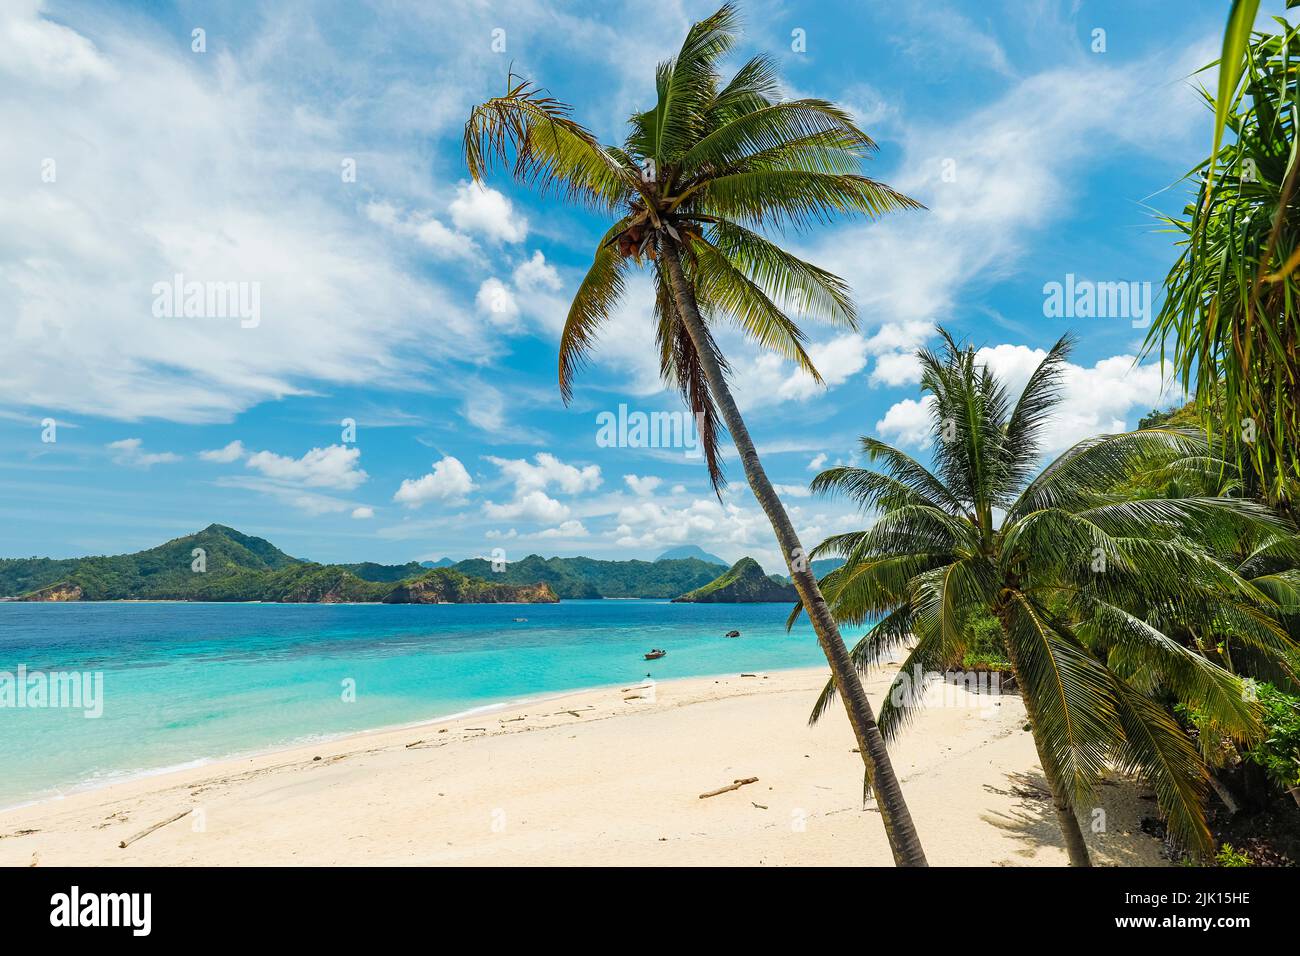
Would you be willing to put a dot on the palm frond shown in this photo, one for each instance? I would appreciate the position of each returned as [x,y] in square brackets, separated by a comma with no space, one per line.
[789,280]
[1038,399]
[685,86]
[772,127]
[889,634]
[549,149]
[796,198]
[1156,746]
[1093,466]
[722,288]
[1068,694]
[592,306]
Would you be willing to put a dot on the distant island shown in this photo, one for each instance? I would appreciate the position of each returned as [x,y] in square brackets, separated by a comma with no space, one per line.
[743,583]
[241,567]
[222,564]
[690,551]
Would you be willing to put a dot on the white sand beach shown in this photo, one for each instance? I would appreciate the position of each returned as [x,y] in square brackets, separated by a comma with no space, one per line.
[608,777]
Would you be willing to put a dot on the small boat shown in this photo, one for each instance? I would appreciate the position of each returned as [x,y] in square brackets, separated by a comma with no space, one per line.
[733,634]
[655,654]
[521,620]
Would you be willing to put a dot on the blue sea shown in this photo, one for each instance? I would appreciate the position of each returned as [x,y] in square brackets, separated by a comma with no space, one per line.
[187,682]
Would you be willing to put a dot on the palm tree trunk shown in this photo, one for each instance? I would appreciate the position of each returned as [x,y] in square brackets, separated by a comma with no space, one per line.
[899,829]
[1076,848]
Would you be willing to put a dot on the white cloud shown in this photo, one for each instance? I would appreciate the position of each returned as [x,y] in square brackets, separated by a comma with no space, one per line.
[792,491]
[497,302]
[364,511]
[729,529]
[130,452]
[425,229]
[532,480]
[334,466]
[45,51]
[484,407]
[944,35]
[1095,400]
[546,471]
[643,485]
[83,252]
[536,274]
[231,452]
[449,482]
[294,496]
[907,422]
[481,209]
[568,529]
[769,379]
[896,368]
[817,461]
[533,506]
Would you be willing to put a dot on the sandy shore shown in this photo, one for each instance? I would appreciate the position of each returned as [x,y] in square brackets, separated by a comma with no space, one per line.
[608,776]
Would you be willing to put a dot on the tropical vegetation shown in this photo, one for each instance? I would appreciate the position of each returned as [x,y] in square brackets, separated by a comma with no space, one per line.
[1230,321]
[1114,607]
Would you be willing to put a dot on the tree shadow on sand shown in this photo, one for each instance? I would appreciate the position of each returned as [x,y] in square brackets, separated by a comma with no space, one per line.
[1032,822]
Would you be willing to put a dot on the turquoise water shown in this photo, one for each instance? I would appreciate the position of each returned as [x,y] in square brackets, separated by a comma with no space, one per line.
[186,682]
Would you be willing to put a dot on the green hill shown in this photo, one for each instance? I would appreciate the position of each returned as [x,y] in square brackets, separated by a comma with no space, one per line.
[241,567]
[824,566]
[743,583]
[579,578]
[369,571]
[222,564]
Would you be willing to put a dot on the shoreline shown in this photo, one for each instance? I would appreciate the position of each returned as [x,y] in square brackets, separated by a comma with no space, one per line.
[608,776]
[271,750]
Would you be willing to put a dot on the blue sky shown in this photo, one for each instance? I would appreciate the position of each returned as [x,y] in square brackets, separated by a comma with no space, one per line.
[427,311]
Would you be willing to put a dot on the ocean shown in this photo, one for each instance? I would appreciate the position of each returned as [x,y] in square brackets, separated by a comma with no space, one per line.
[184,683]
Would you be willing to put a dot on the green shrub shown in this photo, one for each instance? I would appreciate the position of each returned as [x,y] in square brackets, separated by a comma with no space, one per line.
[984,649]
[1279,753]
[1227,856]
[985,662]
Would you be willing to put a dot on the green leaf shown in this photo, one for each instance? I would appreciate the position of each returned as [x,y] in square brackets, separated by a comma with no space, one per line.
[1241,19]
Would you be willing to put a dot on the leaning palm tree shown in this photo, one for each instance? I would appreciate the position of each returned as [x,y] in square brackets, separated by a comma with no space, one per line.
[1078,577]
[698,179]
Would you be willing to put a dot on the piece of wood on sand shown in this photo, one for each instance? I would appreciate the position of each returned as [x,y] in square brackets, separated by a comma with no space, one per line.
[157,826]
[735,785]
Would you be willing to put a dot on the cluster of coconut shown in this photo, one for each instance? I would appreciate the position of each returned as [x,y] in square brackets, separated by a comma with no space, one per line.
[631,242]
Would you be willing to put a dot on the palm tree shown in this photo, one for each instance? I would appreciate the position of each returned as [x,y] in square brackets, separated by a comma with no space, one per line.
[1230,319]
[697,180]
[1075,574]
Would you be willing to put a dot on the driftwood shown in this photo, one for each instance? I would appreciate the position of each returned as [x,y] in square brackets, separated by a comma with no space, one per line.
[735,785]
[157,826]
